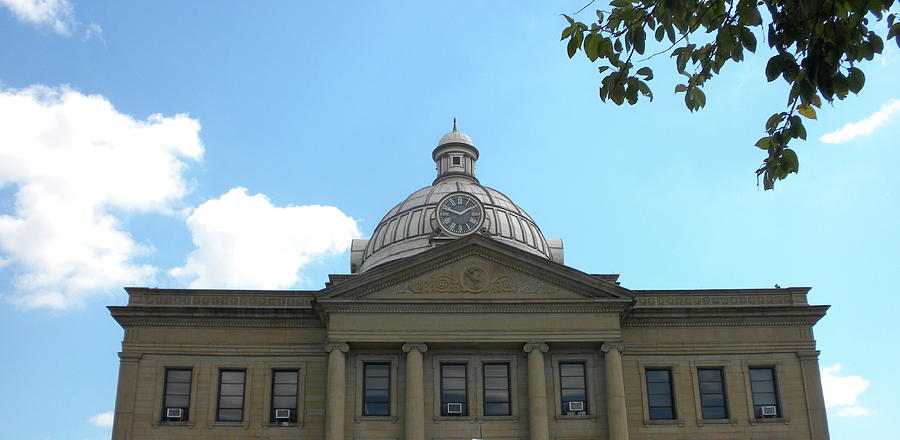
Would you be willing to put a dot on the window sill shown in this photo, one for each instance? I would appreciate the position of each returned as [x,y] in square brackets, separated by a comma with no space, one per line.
[498,419]
[282,425]
[362,419]
[702,422]
[186,425]
[784,420]
[560,417]
[454,419]
[243,425]
[665,422]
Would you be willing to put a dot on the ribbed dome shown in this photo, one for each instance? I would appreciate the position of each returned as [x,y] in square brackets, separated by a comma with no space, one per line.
[408,227]
[411,227]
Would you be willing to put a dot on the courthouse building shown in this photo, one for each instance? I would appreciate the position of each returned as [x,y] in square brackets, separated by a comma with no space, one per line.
[459,320]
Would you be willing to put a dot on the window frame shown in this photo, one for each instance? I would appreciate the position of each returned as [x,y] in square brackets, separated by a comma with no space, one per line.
[165,385]
[775,391]
[295,416]
[671,386]
[587,390]
[675,373]
[779,369]
[365,387]
[359,360]
[218,407]
[467,406]
[509,392]
[723,381]
[593,379]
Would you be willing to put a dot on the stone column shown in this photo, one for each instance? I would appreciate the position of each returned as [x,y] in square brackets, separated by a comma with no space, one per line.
[815,400]
[615,391]
[125,395]
[335,391]
[537,391]
[415,391]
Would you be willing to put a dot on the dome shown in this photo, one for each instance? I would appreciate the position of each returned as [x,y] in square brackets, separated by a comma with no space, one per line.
[411,226]
[407,229]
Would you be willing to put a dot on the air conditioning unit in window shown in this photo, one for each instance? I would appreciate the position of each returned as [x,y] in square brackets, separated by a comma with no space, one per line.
[454,408]
[174,413]
[282,414]
[768,411]
[576,406]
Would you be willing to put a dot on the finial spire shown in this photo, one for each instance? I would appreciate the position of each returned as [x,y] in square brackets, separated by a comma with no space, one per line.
[454,123]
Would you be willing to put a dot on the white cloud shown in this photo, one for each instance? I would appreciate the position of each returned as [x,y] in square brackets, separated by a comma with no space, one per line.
[246,242]
[76,164]
[57,14]
[841,392]
[855,129]
[103,420]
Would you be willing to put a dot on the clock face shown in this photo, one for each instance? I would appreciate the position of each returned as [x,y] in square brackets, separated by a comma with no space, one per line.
[460,213]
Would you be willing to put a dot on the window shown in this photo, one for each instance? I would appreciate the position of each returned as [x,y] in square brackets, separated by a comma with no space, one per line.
[659,394]
[284,396]
[454,401]
[231,396]
[376,389]
[177,394]
[572,388]
[457,160]
[496,390]
[765,393]
[712,393]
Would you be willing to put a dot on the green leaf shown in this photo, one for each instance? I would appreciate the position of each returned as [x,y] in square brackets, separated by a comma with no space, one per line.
[773,121]
[592,46]
[765,143]
[661,33]
[602,69]
[599,16]
[646,72]
[856,79]
[572,47]
[680,88]
[640,38]
[791,163]
[807,111]
[569,19]
[773,68]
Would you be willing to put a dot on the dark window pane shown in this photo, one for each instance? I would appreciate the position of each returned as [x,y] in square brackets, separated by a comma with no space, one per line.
[496,370]
[376,383]
[714,412]
[232,377]
[288,389]
[661,414]
[377,396]
[571,369]
[761,374]
[453,370]
[496,396]
[658,376]
[660,400]
[496,383]
[658,388]
[457,396]
[572,394]
[710,387]
[712,399]
[284,402]
[454,383]
[763,387]
[496,409]
[176,402]
[286,377]
[572,382]
[179,388]
[231,402]
[376,409]
[709,375]
[230,415]
[378,370]
[764,398]
[232,389]
[179,376]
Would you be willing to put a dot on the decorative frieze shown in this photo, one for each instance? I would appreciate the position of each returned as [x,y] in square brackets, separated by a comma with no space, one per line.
[714,300]
[476,278]
[223,300]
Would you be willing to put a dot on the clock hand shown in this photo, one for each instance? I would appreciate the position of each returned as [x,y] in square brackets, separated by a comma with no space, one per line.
[467,209]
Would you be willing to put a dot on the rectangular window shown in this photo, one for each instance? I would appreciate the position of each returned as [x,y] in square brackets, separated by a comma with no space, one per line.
[712,393]
[765,392]
[231,396]
[284,395]
[376,389]
[659,394]
[176,395]
[496,390]
[454,398]
[573,388]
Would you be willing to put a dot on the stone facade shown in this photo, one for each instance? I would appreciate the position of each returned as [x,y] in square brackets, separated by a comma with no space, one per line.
[419,313]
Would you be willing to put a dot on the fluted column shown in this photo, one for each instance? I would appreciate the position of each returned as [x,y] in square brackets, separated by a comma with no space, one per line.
[335,391]
[415,391]
[537,391]
[615,391]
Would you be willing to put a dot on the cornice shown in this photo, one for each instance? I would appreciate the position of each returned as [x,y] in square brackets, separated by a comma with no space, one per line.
[154,316]
[287,299]
[517,307]
[783,316]
[224,323]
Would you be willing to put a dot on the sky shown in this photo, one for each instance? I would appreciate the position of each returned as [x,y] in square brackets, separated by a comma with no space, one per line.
[219,145]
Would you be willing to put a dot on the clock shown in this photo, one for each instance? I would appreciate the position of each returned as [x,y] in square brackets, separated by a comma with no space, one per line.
[460,213]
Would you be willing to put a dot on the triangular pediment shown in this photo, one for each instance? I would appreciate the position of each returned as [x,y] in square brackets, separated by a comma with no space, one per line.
[474,268]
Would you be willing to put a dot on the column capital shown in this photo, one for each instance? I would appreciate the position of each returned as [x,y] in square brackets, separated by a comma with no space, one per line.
[531,346]
[808,355]
[607,346]
[342,346]
[418,346]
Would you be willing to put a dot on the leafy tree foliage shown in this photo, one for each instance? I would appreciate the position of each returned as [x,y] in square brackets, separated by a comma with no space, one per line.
[817,44]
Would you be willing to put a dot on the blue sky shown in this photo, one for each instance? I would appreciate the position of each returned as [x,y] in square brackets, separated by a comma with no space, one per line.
[201,144]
